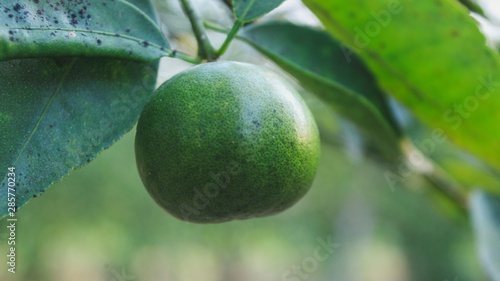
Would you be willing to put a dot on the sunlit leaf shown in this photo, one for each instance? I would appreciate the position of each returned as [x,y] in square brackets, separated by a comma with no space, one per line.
[446,75]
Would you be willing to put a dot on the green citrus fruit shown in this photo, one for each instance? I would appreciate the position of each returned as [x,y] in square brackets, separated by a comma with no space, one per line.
[224,141]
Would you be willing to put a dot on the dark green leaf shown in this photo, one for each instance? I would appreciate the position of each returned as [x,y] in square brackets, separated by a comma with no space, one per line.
[249,10]
[327,69]
[86,103]
[57,115]
[115,29]
[446,75]
[486,219]
[146,7]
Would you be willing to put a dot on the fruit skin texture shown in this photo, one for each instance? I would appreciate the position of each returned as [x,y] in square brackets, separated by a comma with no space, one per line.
[224,141]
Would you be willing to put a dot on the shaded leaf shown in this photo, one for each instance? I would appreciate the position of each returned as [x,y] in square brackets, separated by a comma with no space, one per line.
[87,104]
[485,210]
[249,10]
[446,75]
[320,64]
[115,29]
[57,115]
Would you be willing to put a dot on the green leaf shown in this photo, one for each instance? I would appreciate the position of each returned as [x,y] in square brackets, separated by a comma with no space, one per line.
[249,10]
[320,64]
[485,210]
[115,29]
[145,6]
[57,115]
[87,104]
[444,73]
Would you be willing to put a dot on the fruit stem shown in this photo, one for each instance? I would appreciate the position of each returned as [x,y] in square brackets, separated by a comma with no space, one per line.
[205,48]
[182,56]
[230,36]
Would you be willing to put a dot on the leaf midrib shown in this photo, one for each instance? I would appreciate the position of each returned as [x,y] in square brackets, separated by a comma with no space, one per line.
[245,12]
[106,33]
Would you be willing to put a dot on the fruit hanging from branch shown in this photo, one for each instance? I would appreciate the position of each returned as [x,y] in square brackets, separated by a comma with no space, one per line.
[224,141]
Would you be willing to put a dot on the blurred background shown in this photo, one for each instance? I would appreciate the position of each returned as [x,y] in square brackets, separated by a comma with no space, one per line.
[99,223]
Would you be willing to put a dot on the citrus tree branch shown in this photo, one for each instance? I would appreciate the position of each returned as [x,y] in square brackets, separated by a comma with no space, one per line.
[444,187]
[435,176]
[205,48]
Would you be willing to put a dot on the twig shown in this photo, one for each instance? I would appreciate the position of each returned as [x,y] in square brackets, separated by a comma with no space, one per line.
[182,56]
[205,48]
